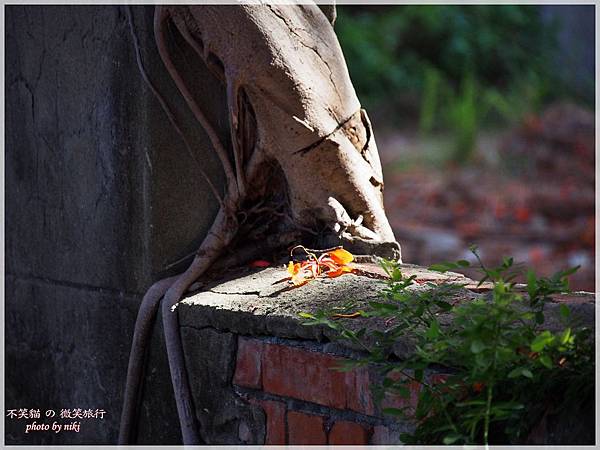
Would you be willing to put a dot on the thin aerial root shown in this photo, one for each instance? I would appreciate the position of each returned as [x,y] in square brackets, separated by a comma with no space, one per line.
[160,16]
[232,106]
[219,236]
[165,106]
[181,387]
[141,337]
[201,51]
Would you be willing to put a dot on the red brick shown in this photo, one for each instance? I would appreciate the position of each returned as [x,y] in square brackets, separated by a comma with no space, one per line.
[297,373]
[358,391]
[275,412]
[438,378]
[391,400]
[348,433]
[248,363]
[305,429]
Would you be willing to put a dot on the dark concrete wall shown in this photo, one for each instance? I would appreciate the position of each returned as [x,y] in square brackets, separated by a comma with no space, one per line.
[101,195]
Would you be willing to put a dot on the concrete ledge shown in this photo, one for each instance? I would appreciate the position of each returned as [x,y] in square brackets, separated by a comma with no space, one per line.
[259,376]
[259,302]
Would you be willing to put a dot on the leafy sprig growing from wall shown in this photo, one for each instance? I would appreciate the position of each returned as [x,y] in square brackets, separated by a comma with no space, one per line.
[501,361]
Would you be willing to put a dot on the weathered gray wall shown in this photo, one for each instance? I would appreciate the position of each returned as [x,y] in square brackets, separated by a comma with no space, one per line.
[100,196]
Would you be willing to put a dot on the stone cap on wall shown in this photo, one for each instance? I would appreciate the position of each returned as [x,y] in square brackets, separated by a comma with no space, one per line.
[259,376]
[261,302]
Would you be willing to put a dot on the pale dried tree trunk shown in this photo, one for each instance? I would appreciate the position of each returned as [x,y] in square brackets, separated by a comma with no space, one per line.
[304,154]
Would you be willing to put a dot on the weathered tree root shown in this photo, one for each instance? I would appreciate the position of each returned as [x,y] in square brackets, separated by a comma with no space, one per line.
[141,336]
[291,105]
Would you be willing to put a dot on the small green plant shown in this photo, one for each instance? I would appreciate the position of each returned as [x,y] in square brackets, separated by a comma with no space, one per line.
[463,115]
[498,358]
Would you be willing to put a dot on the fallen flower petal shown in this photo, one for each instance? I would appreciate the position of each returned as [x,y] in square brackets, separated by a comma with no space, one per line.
[293,268]
[339,271]
[341,256]
[260,263]
[347,316]
[332,263]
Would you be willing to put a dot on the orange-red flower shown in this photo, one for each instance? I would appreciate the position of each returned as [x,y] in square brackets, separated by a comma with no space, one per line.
[478,387]
[341,256]
[331,264]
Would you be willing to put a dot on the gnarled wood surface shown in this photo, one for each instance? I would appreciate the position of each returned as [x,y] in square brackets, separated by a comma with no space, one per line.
[305,164]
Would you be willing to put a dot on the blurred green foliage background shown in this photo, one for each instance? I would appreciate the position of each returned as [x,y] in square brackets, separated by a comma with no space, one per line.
[459,68]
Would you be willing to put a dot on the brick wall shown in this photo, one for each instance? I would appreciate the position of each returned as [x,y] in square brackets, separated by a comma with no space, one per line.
[259,376]
[307,401]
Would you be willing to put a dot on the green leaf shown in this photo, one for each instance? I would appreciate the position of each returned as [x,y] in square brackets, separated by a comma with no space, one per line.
[451,439]
[477,346]
[539,317]
[513,406]
[442,428]
[393,411]
[407,438]
[383,307]
[419,375]
[401,390]
[528,316]
[531,284]
[520,371]
[424,404]
[541,340]
[348,334]
[564,338]
[420,310]
[515,372]
[471,403]
[306,315]
[546,361]
[446,266]
[442,267]
[434,330]
[444,306]
[566,273]
[527,373]
[564,310]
